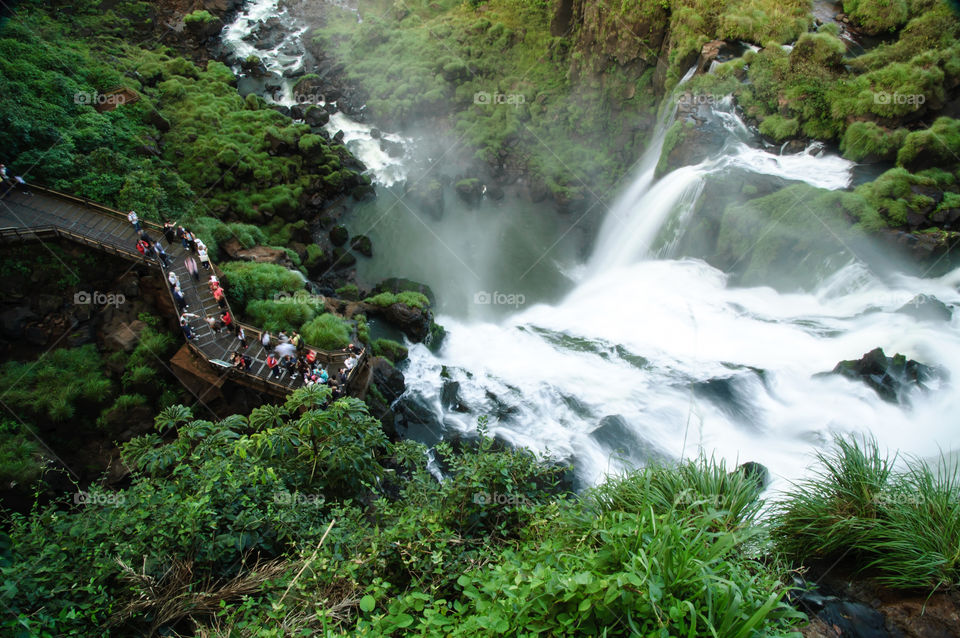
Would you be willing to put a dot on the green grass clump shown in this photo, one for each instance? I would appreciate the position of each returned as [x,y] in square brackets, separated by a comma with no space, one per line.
[698,487]
[390,349]
[326,331]
[937,146]
[878,16]
[246,281]
[407,298]
[906,526]
[867,139]
[288,314]
[77,374]
[779,127]
[21,457]
[200,16]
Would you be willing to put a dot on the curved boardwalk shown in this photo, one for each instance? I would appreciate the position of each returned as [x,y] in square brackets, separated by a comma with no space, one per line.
[48,214]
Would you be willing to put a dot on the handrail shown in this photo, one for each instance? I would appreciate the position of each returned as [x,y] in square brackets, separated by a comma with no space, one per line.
[92,204]
[326,357]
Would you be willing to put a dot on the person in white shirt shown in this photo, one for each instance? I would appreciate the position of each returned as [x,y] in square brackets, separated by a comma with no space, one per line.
[133,219]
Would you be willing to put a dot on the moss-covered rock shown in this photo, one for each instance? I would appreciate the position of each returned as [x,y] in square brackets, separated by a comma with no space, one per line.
[339,235]
[362,245]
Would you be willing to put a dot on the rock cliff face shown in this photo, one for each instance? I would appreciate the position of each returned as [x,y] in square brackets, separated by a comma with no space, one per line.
[635,37]
[631,35]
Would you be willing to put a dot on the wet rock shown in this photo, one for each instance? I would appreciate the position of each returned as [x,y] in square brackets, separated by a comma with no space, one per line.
[927,308]
[450,396]
[691,139]
[363,245]
[427,195]
[277,144]
[494,192]
[130,285]
[414,322]
[281,108]
[890,377]
[755,471]
[393,149]
[619,439]
[388,379]
[316,116]
[339,235]
[708,53]
[343,258]
[47,304]
[265,255]
[123,336]
[470,190]
[13,321]
[35,335]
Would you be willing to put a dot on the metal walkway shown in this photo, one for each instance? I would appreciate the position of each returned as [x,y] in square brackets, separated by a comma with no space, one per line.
[47,214]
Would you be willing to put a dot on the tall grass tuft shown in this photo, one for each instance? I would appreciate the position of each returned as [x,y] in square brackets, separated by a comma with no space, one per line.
[836,509]
[918,542]
[697,487]
[905,525]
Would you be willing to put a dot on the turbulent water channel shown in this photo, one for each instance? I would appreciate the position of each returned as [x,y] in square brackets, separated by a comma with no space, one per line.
[630,352]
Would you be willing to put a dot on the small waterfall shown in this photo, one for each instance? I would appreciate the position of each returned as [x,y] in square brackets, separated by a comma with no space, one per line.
[282,68]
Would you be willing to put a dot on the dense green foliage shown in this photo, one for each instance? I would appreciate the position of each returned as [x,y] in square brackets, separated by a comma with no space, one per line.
[302,519]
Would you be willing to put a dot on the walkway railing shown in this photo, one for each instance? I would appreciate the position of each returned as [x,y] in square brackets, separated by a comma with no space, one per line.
[21,234]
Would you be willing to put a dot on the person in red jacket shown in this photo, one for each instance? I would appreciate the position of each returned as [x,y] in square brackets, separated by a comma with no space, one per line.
[226,318]
[274,365]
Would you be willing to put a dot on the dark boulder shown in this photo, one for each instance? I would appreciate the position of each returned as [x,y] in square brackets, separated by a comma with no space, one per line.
[470,190]
[616,436]
[890,377]
[927,308]
[343,258]
[363,245]
[450,396]
[14,320]
[757,472]
[339,235]
[388,379]
[316,116]
[427,196]
[393,149]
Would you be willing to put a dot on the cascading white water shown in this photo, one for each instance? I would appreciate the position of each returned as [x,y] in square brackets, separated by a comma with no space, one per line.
[662,357]
[359,138]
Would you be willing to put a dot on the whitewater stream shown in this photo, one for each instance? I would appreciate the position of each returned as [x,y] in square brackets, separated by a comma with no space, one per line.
[632,352]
